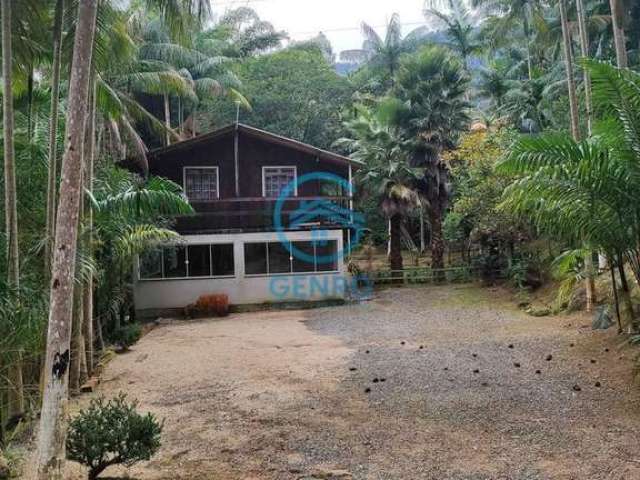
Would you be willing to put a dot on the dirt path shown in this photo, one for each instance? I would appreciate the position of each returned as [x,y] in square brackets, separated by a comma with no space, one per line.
[284,395]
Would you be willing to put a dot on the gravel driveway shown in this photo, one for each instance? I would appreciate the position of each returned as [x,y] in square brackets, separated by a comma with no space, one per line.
[442,383]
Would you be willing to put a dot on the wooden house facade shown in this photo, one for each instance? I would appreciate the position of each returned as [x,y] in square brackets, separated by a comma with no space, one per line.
[272,222]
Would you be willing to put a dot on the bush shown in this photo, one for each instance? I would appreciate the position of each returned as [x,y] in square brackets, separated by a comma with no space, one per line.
[112,433]
[127,335]
[216,305]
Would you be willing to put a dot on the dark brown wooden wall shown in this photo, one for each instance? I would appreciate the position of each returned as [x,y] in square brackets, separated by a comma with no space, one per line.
[254,153]
[231,212]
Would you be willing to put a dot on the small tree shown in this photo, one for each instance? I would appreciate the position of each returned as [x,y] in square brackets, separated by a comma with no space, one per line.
[112,432]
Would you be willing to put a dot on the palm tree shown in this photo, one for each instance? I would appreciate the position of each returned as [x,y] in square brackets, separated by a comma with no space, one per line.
[51,436]
[200,74]
[16,395]
[507,15]
[431,111]
[130,213]
[382,55]
[617,15]
[460,29]
[240,33]
[494,83]
[585,192]
[387,173]
[573,110]
[53,137]
[568,61]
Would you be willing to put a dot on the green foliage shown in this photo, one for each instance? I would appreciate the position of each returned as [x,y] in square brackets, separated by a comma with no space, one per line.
[293,92]
[477,193]
[127,335]
[112,432]
[386,171]
[131,214]
[585,192]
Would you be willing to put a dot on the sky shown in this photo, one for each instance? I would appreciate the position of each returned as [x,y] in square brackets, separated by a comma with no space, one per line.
[339,19]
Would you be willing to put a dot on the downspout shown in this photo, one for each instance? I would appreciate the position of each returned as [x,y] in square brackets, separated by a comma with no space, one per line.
[236,160]
[350,211]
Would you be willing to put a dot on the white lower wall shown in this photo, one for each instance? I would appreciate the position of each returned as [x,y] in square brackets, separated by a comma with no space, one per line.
[244,290]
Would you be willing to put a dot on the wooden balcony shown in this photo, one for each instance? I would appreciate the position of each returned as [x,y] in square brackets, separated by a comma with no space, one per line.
[257,214]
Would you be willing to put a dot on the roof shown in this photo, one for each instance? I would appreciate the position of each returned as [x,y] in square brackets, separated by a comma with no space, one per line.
[261,134]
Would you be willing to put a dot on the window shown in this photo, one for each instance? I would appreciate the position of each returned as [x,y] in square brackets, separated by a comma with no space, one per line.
[279,258]
[274,258]
[190,261]
[175,262]
[199,260]
[201,183]
[151,265]
[306,263]
[276,179]
[255,259]
[326,256]
[222,264]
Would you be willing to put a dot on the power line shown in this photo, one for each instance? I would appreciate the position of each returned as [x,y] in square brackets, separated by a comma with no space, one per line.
[352,29]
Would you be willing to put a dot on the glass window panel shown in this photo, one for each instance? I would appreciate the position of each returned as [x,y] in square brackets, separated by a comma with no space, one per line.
[279,258]
[175,265]
[201,184]
[255,258]
[151,265]
[329,250]
[222,260]
[199,261]
[276,179]
[303,265]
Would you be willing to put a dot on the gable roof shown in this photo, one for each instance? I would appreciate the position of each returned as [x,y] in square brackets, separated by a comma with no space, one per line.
[262,135]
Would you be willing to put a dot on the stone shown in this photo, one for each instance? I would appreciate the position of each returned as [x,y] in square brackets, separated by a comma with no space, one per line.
[328,474]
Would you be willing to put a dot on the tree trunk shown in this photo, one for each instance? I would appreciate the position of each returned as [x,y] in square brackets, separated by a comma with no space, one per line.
[584,49]
[526,29]
[625,293]
[76,341]
[50,455]
[589,280]
[87,302]
[616,300]
[568,60]
[167,119]
[423,245]
[618,33]
[437,242]
[395,244]
[53,140]
[573,110]
[15,392]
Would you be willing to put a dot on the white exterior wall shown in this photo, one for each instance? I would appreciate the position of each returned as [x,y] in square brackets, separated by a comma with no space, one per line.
[167,294]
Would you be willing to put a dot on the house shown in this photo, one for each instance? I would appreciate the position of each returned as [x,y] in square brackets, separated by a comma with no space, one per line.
[273,222]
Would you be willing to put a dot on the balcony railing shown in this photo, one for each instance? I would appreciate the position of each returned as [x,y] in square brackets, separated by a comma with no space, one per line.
[257,213]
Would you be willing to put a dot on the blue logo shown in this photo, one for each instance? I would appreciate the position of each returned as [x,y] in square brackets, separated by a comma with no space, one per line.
[316,213]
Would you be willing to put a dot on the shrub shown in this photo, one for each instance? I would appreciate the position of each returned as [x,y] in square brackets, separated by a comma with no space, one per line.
[216,305]
[127,335]
[112,432]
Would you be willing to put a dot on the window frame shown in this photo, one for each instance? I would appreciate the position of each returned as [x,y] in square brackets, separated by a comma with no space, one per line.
[204,167]
[288,167]
[291,259]
[186,246]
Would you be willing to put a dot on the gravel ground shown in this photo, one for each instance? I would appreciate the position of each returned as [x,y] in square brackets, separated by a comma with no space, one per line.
[441,383]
